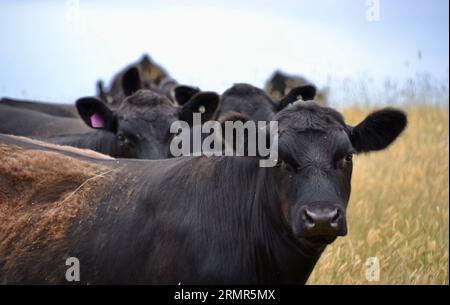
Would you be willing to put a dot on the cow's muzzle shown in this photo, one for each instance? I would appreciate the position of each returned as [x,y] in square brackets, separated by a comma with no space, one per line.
[322,221]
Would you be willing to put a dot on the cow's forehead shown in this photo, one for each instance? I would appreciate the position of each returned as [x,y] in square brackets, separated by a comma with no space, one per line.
[248,92]
[145,97]
[146,104]
[303,116]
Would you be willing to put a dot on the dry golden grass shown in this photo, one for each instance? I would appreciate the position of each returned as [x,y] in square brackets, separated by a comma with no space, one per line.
[399,208]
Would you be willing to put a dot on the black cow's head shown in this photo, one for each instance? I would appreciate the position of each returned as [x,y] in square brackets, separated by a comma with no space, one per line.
[256,104]
[315,159]
[143,74]
[133,79]
[142,122]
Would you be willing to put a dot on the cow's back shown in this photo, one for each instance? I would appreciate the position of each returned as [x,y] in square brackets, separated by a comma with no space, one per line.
[62,110]
[30,123]
[44,197]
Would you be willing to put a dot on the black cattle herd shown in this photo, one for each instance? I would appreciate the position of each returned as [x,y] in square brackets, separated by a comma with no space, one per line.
[96,181]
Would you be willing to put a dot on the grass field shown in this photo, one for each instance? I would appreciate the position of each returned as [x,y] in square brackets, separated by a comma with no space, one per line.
[399,208]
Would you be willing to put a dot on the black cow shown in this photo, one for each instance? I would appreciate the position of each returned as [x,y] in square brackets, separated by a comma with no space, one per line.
[179,94]
[188,220]
[139,128]
[255,104]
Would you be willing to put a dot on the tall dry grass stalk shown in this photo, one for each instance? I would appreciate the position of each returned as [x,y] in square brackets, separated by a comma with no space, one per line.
[399,208]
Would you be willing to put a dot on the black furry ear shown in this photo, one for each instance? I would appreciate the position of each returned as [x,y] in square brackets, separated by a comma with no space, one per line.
[96,114]
[131,81]
[378,130]
[183,93]
[306,92]
[205,103]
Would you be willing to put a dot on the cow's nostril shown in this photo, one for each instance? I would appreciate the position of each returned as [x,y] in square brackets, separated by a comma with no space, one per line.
[336,215]
[309,219]
[322,220]
[334,221]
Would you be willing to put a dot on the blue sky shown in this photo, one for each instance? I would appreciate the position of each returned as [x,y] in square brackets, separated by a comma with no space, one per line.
[56,50]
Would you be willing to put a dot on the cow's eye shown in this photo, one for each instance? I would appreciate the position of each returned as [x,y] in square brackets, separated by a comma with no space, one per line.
[344,162]
[349,157]
[123,139]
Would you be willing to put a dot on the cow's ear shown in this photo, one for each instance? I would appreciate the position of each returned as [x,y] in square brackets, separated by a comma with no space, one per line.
[205,103]
[182,93]
[96,114]
[131,81]
[305,92]
[378,130]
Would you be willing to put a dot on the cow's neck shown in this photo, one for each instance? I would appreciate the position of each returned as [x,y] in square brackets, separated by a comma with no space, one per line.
[239,203]
[286,258]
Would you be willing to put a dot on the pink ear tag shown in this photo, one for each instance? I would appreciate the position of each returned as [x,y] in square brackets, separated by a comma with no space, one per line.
[97,121]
